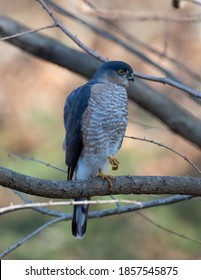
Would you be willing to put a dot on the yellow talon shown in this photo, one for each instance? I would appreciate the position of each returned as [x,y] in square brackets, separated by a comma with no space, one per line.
[106,177]
[114,162]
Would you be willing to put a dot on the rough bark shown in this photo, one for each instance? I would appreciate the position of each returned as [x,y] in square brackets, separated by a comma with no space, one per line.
[97,187]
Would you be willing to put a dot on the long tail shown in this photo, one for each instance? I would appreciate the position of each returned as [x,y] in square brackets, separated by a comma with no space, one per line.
[79,221]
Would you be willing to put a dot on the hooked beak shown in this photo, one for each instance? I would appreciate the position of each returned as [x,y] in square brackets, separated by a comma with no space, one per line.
[131,77]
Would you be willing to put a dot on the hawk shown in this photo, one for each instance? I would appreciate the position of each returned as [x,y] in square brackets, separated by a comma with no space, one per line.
[95,120]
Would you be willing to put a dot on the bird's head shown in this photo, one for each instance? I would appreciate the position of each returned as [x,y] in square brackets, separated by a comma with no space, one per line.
[116,72]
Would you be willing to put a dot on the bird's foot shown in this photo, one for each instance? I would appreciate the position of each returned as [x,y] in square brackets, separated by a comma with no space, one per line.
[108,178]
[114,162]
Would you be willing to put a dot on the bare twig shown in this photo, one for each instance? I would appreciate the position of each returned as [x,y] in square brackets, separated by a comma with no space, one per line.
[25,239]
[119,41]
[168,148]
[103,213]
[12,208]
[27,32]
[131,38]
[43,210]
[144,205]
[164,80]
[137,206]
[38,161]
[69,216]
[70,35]
[183,123]
[137,16]
[170,82]
[111,37]
[181,235]
[178,63]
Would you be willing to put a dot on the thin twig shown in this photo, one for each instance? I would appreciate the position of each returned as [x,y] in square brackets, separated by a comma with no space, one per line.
[134,205]
[12,208]
[104,213]
[144,205]
[43,210]
[69,216]
[35,232]
[142,16]
[179,64]
[70,35]
[28,32]
[168,148]
[131,38]
[38,161]
[170,82]
[169,230]
[111,37]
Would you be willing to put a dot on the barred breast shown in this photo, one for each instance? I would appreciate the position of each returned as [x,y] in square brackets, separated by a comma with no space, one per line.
[104,122]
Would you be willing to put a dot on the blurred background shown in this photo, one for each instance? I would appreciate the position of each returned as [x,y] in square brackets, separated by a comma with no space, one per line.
[32,95]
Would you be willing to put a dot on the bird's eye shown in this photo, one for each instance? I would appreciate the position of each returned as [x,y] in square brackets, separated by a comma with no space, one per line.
[121,72]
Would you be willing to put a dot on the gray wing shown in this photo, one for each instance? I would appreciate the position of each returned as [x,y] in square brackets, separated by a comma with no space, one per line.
[75,106]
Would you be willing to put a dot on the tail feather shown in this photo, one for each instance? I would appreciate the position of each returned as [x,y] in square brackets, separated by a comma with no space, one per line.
[79,221]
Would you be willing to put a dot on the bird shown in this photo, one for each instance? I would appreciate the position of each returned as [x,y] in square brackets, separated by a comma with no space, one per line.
[95,121]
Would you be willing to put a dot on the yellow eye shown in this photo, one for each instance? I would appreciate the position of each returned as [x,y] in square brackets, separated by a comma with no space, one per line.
[121,72]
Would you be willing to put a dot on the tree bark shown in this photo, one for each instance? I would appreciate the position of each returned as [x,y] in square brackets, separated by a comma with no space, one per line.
[98,187]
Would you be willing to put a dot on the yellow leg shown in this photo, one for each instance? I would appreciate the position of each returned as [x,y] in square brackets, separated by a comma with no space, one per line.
[106,177]
[114,162]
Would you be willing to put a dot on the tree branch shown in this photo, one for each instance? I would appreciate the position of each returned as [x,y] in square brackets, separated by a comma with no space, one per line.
[113,38]
[134,16]
[170,82]
[32,234]
[97,187]
[102,213]
[181,122]
[69,34]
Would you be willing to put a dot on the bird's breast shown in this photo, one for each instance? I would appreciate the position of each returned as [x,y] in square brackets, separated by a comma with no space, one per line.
[105,120]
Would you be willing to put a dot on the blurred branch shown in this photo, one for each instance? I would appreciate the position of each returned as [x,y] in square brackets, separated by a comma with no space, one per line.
[126,136]
[113,38]
[40,205]
[181,122]
[102,213]
[168,148]
[70,35]
[181,235]
[48,49]
[174,116]
[198,2]
[27,32]
[97,187]
[32,234]
[131,38]
[133,206]
[42,210]
[85,8]
[38,161]
[180,65]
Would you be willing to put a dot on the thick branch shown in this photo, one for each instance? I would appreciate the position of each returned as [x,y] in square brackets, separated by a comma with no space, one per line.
[96,187]
[175,117]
